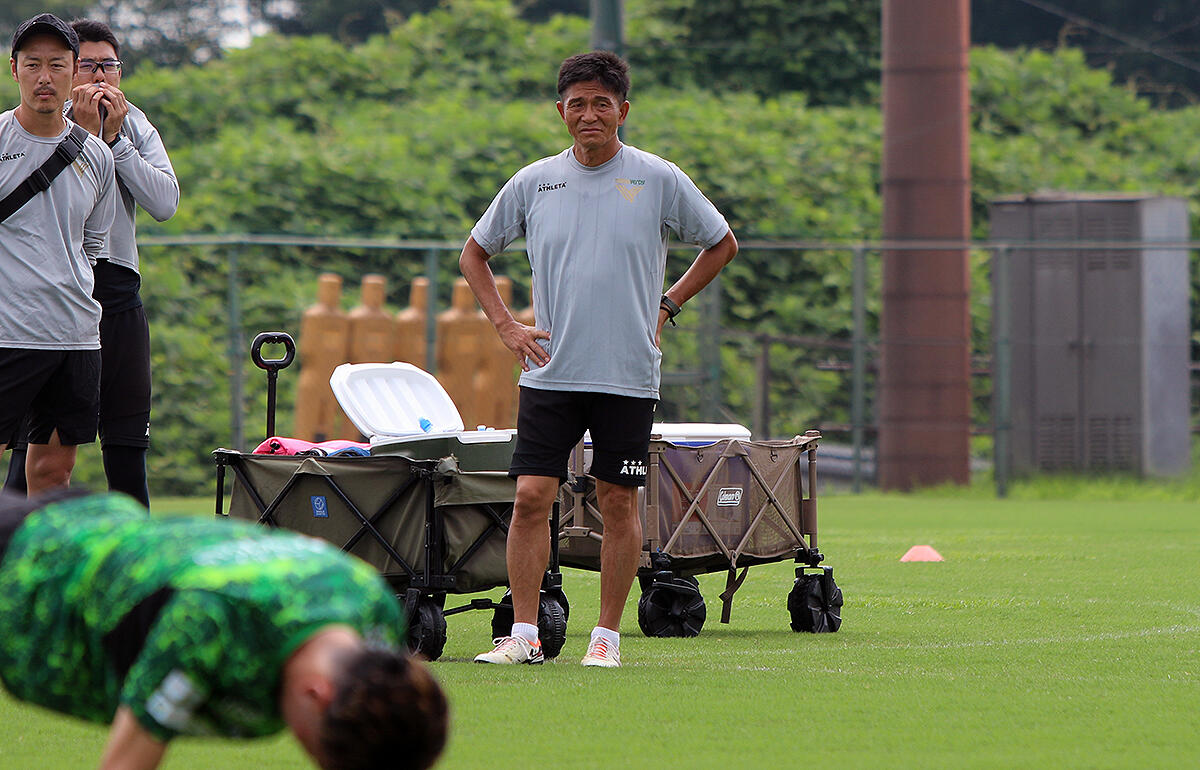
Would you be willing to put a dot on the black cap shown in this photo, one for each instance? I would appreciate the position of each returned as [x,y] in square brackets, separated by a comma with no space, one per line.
[45,23]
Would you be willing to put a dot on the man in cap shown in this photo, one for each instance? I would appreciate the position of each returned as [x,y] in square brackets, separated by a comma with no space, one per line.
[49,322]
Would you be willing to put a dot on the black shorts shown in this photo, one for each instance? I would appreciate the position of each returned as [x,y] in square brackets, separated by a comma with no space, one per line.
[19,439]
[125,378]
[551,422]
[59,389]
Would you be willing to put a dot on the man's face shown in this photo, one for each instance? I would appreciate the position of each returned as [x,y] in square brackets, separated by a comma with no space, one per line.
[592,114]
[43,69]
[95,55]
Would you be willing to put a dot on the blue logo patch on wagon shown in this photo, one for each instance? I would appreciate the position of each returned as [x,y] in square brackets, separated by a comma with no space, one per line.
[320,506]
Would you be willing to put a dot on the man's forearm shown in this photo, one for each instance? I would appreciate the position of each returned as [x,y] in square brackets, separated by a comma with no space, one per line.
[130,746]
[146,172]
[475,268]
[704,268]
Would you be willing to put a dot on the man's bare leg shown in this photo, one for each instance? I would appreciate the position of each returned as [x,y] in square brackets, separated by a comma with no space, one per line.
[48,466]
[621,550]
[527,552]
[528,546]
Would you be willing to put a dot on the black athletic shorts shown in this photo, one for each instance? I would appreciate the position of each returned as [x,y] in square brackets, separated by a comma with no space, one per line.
[125,378]
[19,439]
[551,422]
[59,389]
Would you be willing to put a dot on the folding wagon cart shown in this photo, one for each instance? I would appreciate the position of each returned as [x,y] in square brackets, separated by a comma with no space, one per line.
[430,512]
[710,505]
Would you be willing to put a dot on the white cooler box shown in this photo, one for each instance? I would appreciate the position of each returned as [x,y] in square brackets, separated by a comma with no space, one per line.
[404,410]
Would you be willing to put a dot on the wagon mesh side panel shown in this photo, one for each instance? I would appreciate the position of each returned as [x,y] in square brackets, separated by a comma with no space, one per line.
[311,505]
[730,495]
[726,480]
[367,484]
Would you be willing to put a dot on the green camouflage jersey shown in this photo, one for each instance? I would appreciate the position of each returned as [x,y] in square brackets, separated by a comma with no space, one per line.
[187,621]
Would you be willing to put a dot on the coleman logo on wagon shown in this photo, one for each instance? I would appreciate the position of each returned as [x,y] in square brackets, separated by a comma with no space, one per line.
[729,496]
[633,468]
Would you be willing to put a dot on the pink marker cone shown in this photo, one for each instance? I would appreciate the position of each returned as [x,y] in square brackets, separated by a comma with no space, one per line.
[922,553]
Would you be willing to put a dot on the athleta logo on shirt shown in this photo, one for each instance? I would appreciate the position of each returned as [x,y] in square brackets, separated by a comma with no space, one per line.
[546,186]
[630,188]
[633,468]
[13,156]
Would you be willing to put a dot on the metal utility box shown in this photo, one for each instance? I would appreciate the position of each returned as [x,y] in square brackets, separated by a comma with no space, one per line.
[1098,336]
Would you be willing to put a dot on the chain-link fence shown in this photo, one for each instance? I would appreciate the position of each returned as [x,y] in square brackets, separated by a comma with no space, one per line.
[778,358]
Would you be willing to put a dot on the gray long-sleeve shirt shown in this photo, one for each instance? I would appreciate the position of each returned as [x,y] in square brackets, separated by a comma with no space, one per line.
[145,178]
[48,246]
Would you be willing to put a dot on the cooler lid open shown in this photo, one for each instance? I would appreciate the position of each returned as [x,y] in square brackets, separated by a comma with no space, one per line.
[396,399]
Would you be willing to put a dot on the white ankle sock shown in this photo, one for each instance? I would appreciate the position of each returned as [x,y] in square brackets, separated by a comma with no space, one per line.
[608,635]
[527,631]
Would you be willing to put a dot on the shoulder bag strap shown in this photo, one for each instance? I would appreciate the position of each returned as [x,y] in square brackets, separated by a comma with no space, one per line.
[64,155]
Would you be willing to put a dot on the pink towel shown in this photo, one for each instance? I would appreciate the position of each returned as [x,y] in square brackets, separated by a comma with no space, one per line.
[277,445]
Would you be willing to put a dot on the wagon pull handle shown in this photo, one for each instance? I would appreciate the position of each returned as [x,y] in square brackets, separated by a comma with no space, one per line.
[272,366]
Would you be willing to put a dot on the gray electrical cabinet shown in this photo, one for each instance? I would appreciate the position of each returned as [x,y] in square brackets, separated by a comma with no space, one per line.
[1099,337]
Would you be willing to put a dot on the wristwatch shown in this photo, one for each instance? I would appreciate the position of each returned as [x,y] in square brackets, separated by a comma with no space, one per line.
[669,305]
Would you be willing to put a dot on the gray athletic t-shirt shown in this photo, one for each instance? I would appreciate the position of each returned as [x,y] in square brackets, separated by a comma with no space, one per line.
[596,237]
[48,246]
[145,177]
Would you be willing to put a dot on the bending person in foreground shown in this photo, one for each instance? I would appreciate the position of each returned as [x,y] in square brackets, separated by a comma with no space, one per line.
[190,626]
[595,219]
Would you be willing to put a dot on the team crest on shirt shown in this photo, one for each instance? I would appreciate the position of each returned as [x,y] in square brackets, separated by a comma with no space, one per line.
[629,188]
[81,165]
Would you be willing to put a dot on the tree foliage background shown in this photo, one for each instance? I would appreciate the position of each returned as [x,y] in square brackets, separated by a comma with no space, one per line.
[409,134]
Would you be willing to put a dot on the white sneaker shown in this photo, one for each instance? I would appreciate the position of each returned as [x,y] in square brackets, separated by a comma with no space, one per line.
[513,649]
[601,653]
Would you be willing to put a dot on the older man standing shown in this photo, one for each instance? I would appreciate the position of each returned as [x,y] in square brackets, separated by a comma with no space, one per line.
[57,200]
[595,218]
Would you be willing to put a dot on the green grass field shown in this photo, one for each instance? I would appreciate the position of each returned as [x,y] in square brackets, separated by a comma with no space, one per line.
[1055,634]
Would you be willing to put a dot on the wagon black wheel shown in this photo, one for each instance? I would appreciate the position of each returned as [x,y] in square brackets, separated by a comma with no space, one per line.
[427,630]
[815,604]
[552,620]
[561,597]
[502,616]
[673,608]
[552,625]
[646,579]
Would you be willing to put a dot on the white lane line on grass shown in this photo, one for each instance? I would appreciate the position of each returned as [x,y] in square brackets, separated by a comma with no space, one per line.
[1104,637]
